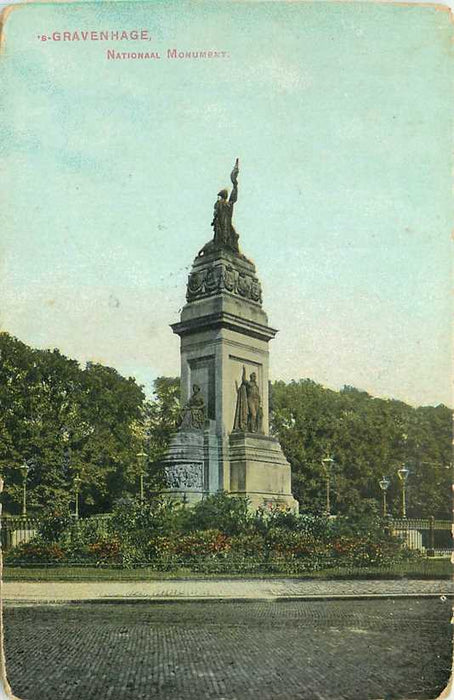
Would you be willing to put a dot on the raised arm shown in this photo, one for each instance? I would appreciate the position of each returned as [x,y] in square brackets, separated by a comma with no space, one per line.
[234,178]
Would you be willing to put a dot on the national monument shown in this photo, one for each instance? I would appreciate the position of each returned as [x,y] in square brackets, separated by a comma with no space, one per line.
[223,441]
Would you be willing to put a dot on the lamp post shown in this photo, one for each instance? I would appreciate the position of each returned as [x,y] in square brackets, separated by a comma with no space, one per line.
[384,485]
[327,463]
[141,456]
[24,471]
[403,473]
[77,482]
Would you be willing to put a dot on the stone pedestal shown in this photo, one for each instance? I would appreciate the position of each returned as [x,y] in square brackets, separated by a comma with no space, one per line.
[260,471]
[184,466]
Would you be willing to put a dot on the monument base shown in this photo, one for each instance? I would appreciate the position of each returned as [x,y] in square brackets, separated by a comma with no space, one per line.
[258,468]
[260,471]
[184,467]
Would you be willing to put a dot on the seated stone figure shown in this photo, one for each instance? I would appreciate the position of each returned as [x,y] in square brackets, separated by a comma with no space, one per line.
[193,412]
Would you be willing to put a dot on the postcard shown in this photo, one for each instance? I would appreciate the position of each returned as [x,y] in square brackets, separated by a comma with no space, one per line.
[225,349]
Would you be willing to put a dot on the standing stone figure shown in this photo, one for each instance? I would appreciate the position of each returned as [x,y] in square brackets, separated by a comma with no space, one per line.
[248,413]
[193,413]
[225,235]
[241,411]
[254,405]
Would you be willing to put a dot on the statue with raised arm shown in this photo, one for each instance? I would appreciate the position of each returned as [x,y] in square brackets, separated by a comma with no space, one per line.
[248,411]
[225,235]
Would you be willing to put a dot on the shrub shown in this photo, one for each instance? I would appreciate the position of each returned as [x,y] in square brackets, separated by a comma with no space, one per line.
[203,543]
[35,551]
[53,524]
[135,522]
[248,545]
[200,543]
[267,518]
[106,550]
[229,514]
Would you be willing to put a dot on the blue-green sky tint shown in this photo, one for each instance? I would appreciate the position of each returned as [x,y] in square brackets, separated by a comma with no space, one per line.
[341,117]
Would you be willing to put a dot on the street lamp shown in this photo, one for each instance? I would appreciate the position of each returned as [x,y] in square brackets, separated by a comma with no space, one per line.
[384,485]
[141,456]
[403,473]
[24,469]
[327,463]
[77,482]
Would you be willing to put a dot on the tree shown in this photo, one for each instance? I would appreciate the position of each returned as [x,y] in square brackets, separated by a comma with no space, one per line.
[368,437]
[63,420]
[158,421]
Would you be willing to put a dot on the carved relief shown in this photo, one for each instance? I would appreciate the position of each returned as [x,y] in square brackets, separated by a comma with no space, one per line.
[229,278]
[214,278]
[195,282]
[256,291]
[181,476]
[244,285]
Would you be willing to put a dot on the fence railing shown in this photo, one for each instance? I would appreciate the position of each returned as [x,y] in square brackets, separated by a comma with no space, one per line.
[420,524]
[16,529]
[425,534]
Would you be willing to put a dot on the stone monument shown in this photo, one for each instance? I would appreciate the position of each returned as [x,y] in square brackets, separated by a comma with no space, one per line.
[223,441]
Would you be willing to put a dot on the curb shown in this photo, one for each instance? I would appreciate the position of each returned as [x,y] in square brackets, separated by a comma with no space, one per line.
[135,600]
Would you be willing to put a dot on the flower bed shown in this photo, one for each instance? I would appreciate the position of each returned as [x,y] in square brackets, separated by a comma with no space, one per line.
[216,536]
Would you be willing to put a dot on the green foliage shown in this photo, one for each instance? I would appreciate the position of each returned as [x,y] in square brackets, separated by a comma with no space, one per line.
[229,514]
[267,518]
[193,545]
[130,518]
[133,524]
[36,551]
[53,525]
[64,420]
[219,535]
[367,437]
[157,422]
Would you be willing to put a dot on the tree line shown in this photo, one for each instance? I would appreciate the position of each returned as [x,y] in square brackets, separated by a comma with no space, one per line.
[368,438]
[65,420]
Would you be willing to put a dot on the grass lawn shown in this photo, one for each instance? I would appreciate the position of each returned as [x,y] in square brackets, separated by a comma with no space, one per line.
[430,568]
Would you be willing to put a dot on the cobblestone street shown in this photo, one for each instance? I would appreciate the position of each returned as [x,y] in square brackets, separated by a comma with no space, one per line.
[355,649]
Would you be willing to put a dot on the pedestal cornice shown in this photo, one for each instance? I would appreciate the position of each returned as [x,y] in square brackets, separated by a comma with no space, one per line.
[223,319]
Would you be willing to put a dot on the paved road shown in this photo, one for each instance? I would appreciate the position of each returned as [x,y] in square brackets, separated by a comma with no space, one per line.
[286,650]
[51,591]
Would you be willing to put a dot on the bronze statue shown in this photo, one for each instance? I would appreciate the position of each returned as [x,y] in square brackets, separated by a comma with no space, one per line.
[225,235]
[193,412]
[248,412]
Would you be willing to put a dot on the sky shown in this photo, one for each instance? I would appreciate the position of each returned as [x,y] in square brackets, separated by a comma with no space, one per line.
[340,114]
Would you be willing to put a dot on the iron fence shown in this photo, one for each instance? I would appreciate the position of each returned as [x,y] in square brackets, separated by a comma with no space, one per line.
[17,529]
[425,534]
